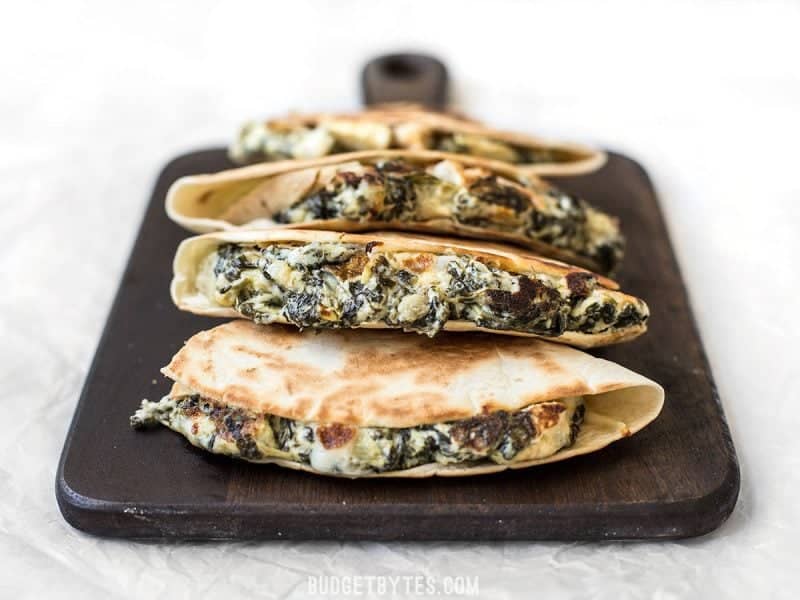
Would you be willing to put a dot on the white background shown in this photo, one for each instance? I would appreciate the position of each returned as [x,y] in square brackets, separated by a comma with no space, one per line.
[96,96]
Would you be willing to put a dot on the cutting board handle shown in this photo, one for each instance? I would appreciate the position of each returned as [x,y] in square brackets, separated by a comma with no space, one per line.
[405,78]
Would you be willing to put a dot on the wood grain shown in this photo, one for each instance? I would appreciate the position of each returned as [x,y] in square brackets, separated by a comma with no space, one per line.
[677,478]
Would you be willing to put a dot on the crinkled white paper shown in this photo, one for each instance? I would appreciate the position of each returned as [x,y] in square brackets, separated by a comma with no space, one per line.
[97,96]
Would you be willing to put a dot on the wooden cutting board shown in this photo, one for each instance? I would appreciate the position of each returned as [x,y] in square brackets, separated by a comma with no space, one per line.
[677,478]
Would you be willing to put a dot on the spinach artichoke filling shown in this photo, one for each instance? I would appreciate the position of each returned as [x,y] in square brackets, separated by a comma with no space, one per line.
[332,285]
[536,431]
[278,141]
[396,190]
[259,142]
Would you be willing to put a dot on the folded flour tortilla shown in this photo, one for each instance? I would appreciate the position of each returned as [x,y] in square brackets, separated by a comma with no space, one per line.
[429,192]
[406,127]
[323,279]
[379,403]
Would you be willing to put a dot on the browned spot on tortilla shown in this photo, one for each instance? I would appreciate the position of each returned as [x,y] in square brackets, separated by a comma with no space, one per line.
[608,387]
[249,373]
[335,436]
[490,406]
[565,390]
[346,394]
[208,365]
[236,396]
[195,428]
[343,404]
[454,354]
[207,339]
[275,360]
[302,405]
[177,362]
[520,348]
[370,245]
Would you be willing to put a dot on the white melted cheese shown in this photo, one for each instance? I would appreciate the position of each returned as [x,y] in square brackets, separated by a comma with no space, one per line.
[551,439]
[448,171]
[360,135]
[357,202]
[412,307]
[336,460]
[283,274]
[259,139]
[314,144]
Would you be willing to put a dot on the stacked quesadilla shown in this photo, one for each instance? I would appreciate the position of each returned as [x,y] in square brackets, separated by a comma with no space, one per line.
[384,403]
[364,232]
[405,127]
[324,279]
[429,192]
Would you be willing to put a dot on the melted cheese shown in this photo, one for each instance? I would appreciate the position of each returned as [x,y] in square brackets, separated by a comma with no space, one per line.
[359,135]
[257,140]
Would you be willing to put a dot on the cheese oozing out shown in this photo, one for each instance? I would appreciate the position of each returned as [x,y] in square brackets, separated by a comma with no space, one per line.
[537,431]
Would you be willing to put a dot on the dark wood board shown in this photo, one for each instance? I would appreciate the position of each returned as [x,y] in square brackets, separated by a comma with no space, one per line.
[677,478]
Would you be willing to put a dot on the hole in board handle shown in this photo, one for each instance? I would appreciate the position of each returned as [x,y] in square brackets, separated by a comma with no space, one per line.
[400,68]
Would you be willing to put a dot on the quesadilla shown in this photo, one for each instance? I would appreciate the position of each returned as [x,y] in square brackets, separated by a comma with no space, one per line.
[379,403]
[405,127]
[323,279]
[417,191]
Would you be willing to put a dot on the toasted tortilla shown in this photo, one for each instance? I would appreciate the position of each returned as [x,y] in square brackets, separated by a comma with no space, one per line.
[387,379]
[240,199]
[191,252]
[409,119]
